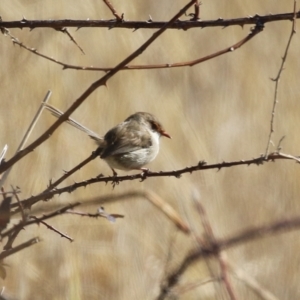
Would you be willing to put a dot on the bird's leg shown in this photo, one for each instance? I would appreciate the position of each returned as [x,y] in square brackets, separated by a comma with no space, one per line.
[115,174]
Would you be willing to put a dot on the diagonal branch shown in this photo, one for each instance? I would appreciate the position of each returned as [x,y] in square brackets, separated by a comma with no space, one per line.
[18,248]
[114,12]
[28,222]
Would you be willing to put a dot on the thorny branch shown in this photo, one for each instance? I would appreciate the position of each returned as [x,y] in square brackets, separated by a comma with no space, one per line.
[277,79]
[36,220]
[150,24]
[143,176]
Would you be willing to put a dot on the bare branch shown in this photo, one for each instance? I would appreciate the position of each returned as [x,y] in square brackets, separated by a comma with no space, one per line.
[28,222]
[28,132]
[114,12]
[277,79]
[38,220]
[178,24]
[143,176]
[65,31]
[18,248]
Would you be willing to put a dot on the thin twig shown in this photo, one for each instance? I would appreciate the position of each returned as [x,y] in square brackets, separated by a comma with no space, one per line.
[3,152]
[65,31]
[15,191]
[27,133]
[250,282]
[114,12]
[67,174]
[28,222]
[100,213]
[98,83]
[211,240]
[52,228]
[277,79]
[168,210]
[18,248]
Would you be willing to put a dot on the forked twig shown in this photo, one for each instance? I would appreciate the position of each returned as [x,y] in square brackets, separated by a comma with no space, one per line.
[28,222]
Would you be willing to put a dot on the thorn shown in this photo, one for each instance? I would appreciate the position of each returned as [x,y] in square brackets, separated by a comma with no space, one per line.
[201,163]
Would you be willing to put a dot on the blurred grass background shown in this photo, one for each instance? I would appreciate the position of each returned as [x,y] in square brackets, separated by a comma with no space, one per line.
[215,111]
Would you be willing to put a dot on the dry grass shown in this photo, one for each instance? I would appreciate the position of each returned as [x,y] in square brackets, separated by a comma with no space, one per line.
[219,110]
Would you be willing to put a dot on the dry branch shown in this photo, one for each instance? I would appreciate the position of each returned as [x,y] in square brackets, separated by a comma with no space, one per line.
[213,249]
[149,24]
[277,79]
[143,176]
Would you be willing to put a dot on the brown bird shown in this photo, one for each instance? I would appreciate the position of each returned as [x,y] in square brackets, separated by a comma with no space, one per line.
[129,145]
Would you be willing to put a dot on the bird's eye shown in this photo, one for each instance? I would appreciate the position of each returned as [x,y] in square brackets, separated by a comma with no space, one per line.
[154,126]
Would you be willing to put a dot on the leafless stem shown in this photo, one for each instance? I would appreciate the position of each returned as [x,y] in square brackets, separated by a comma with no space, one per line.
[28,222]
[67,174]
[27,133]
[65,31]
[277,79]
[250,282]
[114,12]
[179,24]
[18,248]
[38,220]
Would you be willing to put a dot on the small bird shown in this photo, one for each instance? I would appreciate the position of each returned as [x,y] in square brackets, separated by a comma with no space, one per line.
[133,143]
[129,145]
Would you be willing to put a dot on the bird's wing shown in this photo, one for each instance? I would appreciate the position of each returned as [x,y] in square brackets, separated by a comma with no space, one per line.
[126,137]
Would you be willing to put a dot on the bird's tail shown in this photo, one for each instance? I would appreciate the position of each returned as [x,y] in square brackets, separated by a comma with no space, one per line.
[57,113]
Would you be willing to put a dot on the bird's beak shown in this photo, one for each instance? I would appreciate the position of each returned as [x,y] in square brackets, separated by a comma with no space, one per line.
[165,134]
